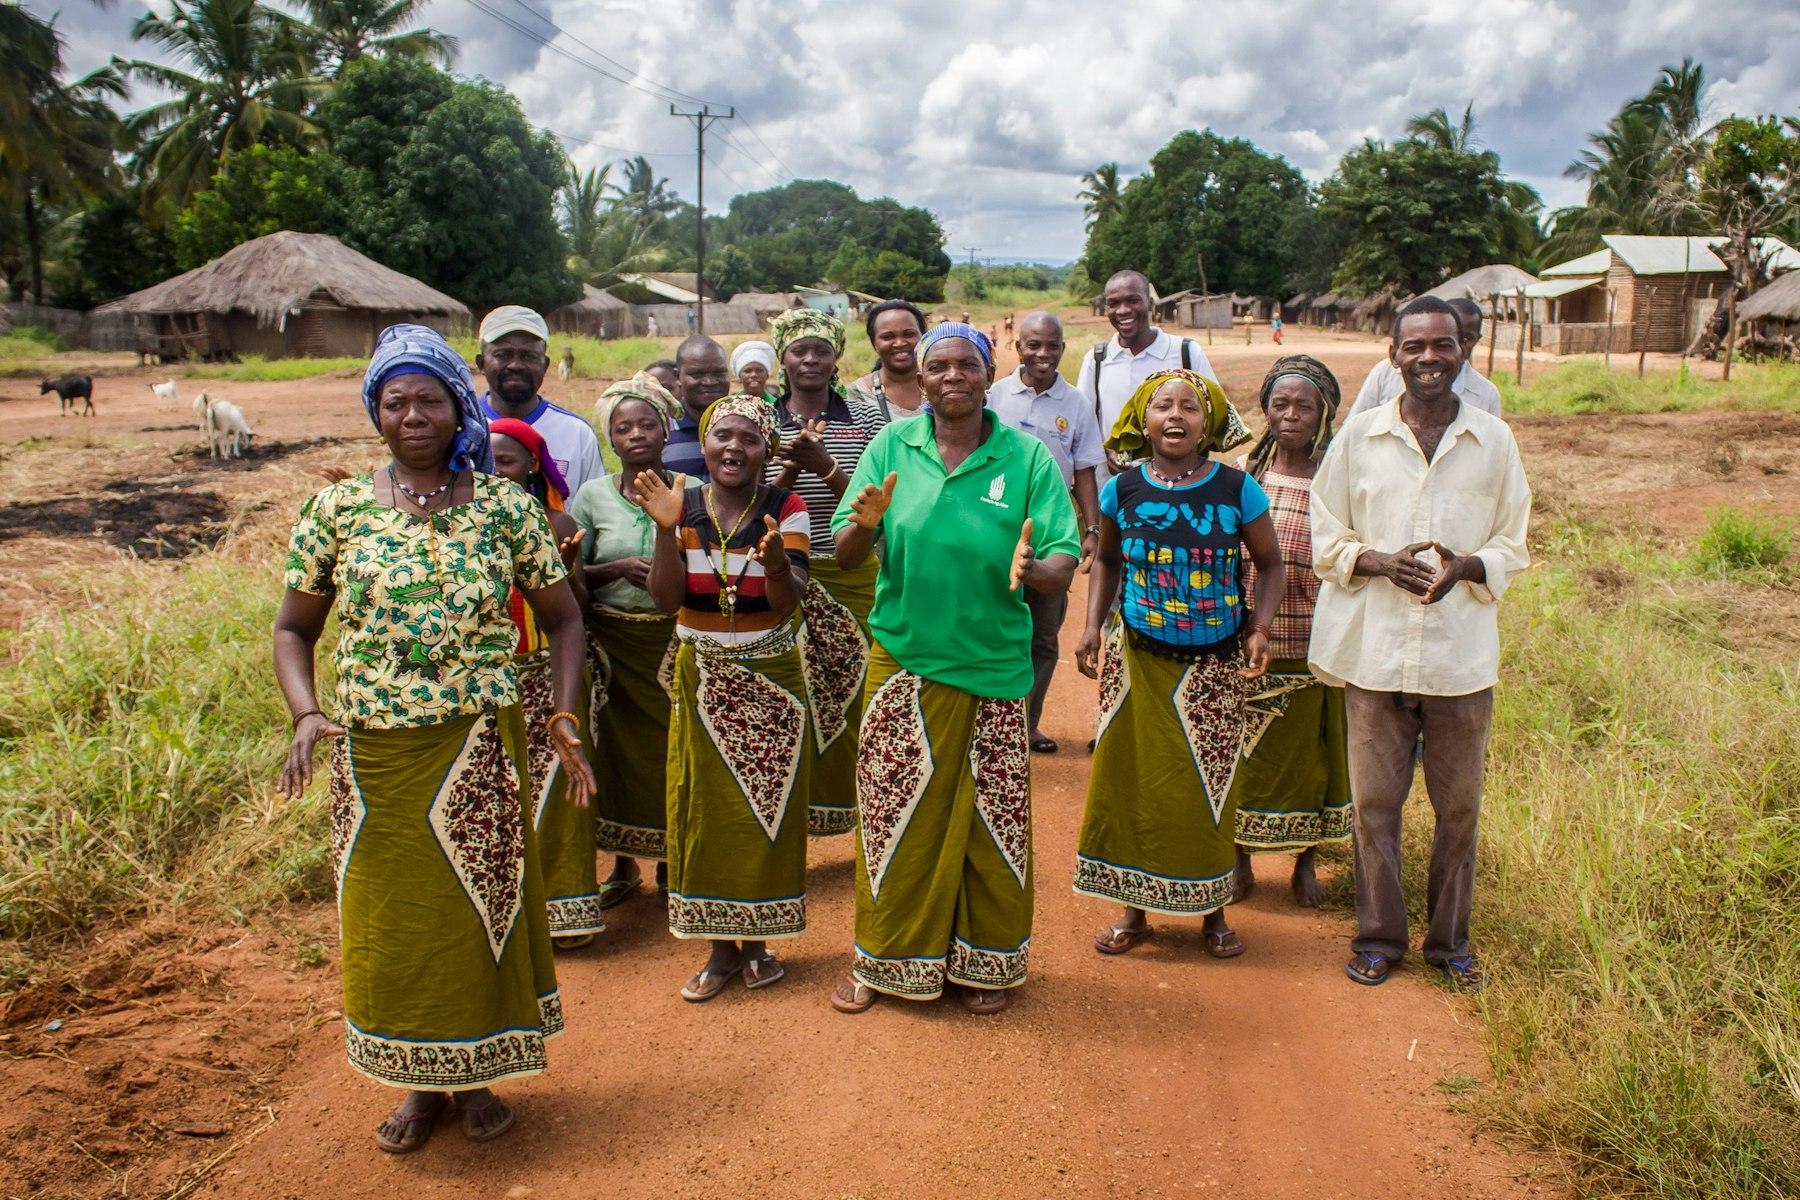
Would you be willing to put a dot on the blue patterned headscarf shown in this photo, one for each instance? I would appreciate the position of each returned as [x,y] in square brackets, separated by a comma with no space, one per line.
[416,350]
[956,329]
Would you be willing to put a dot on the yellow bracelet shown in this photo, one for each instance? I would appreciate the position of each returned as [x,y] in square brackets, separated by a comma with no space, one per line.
[570,717]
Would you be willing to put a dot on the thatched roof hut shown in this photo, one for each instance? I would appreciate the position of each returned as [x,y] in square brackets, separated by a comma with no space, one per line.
[1375,314]
[598,313]
[1780,301]
[1483,283]
[284,295]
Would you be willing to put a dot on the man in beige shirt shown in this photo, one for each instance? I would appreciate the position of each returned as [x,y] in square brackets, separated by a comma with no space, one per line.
[1419,514]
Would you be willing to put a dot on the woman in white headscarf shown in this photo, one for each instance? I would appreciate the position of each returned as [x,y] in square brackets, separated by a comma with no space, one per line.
[751,365]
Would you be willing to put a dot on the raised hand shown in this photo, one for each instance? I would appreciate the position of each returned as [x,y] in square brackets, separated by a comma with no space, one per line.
[807,452]
[570,546]
[662,501]
[297,771]
[1023,556]
[771,552]
[869,507]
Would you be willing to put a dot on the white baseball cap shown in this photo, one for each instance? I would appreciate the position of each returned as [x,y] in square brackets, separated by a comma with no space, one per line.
[513,318]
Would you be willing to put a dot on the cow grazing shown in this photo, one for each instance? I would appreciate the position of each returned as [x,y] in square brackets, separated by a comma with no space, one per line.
[227,433]
[165,395]
[69,389]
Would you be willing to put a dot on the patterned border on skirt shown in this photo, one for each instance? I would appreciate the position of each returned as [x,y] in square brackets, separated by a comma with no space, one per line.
[573,915]
[910,978]
[752,920]
[455,1065]
[826,821]
[984,967]
[1152,893]
[1261,829]
[633,841]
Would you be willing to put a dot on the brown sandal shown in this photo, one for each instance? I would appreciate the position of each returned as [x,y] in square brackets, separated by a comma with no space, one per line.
[472,1114]
[1224,943]
[859,996]
[985,1002]
[1114,940]
[761,972]
[415,1128]
[708,983]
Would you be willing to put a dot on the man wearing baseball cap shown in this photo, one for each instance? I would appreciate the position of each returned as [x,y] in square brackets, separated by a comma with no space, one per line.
[514,357]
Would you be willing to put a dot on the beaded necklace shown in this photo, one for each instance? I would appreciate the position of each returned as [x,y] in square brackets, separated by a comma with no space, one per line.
[728,588]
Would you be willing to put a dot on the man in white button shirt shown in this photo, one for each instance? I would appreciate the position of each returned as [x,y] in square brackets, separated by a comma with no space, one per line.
[1418,516]
[1471,387]
[1036,399]
[514,358]
[1136,351]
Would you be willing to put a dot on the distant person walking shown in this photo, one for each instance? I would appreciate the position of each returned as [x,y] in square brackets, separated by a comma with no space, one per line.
[1175,528]
[1275,327]
[650,327]
[1115,370]
[1037,400]
[690,320]
[823,437]
[1471,387]
[1292,787]
[1419,514]
[514,358]
[894,328]
[448,983]
[970,513]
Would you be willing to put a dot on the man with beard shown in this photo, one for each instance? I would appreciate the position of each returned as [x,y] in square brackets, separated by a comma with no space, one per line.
[1136,351]
[1419,511]
[1471,387]
[514,357]
[702,375]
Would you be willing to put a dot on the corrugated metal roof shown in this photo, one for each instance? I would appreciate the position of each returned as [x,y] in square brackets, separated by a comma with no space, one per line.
[1782,257]
[1597,263]
[1550,289]
[1648,255]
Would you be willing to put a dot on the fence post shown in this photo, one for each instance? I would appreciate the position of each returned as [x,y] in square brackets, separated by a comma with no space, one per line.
[1730,326]
[1494,311]
[1519,354]
[1612,297]
[1644,341]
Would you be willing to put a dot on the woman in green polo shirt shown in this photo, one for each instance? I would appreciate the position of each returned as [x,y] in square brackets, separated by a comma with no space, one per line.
[971,511]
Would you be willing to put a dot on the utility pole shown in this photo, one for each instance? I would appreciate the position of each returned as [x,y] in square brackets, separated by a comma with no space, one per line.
[701,121]
[971,250]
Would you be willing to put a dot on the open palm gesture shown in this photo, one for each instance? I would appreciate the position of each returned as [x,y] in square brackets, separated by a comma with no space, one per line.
[872,503]
[771,551]
[661,500]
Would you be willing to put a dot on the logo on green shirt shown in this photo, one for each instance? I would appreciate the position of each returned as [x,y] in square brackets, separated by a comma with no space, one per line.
[997,492]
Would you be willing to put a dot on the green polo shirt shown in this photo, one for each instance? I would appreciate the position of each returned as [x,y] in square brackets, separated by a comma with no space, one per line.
[942,606]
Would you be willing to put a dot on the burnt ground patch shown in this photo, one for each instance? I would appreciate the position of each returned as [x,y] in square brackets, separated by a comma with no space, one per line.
[151,519]
[259,454]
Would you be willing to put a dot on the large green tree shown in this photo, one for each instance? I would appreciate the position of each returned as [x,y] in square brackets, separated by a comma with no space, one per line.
[259,191]
[446,181]
[1205,199]
[243,76]
[793,234]
[115,250]
[341,31]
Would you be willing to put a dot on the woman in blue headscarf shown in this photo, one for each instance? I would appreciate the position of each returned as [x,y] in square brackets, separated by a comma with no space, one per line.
[448,982]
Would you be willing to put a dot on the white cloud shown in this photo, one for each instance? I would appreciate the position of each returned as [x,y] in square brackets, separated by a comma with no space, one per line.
[987,112]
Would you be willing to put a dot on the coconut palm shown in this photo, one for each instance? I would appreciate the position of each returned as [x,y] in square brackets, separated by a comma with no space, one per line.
[604,236]
[1436,129]
[342,31]
[648,199]
[1101,197]
[245,77]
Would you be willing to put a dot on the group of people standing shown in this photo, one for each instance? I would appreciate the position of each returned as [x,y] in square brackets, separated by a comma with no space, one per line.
[801,608]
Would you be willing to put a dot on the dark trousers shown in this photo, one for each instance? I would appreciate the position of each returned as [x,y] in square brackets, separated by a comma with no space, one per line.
[1384,730]
[1047,612]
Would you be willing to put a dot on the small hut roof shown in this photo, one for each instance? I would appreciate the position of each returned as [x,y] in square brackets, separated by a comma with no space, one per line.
[593,303]
[1297,300]
[1328,300]
[1371,306]
[272,277]
[1780,301]
[1483,282]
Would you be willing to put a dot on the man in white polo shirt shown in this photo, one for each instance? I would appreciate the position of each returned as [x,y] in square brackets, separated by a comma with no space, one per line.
[1471,387]
[514,358]
[1136,351]
[1036,399]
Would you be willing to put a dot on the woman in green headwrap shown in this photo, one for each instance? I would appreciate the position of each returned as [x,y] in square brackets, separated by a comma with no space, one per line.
[730,560]
[631,643]
[1158,834]
[823,437]
[1292,787]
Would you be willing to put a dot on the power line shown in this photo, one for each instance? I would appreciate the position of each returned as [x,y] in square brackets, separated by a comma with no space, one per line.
[701,119]
[569,137]
[751,129]
[672,93]
[547,44]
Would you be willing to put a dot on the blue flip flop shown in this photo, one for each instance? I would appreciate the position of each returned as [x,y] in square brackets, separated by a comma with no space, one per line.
[1377,966]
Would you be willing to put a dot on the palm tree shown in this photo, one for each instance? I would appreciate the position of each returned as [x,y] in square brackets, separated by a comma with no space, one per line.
[1435,129]
[604,237]
[649,199]
[247,81]
[57,140]
[342,31]
[1101,198]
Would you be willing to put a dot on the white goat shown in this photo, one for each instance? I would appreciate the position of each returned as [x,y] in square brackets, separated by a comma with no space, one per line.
[227,433]
[566,364]
[165,395]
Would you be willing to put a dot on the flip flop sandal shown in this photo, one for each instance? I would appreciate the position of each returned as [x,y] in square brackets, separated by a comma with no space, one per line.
[1370,970]
[1110,943]
[761,972]
[573,941]
[416,1127]
[1225,945]
[708,983]
[472,1113]
[1044,745]
[1463,973]
[615,892]
[984,1002]
[862,997]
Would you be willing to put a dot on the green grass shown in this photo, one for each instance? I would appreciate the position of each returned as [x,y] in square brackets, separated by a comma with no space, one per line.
[254,368]
[29,348]
[1586,386]
[1735,541]
[1640,881]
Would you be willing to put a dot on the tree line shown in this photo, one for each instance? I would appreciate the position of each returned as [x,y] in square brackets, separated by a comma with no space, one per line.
[1409,214]
[342,118]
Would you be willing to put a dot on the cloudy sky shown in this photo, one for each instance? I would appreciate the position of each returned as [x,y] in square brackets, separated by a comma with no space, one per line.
[987,113]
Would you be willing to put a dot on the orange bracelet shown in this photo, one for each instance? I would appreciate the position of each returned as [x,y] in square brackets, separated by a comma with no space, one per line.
[570,717]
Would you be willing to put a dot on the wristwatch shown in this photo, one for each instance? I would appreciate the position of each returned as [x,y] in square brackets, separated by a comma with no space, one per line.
[1094,529]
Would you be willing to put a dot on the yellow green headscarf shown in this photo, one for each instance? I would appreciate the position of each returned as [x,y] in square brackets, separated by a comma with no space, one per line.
[1224,428]
[796,324]
[642,386]
[759,411]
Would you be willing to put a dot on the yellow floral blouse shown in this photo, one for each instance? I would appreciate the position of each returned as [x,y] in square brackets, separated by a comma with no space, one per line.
[425,634]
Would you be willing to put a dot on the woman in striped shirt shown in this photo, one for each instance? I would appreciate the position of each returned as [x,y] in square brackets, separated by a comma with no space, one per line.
[730,560]
[823,438]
